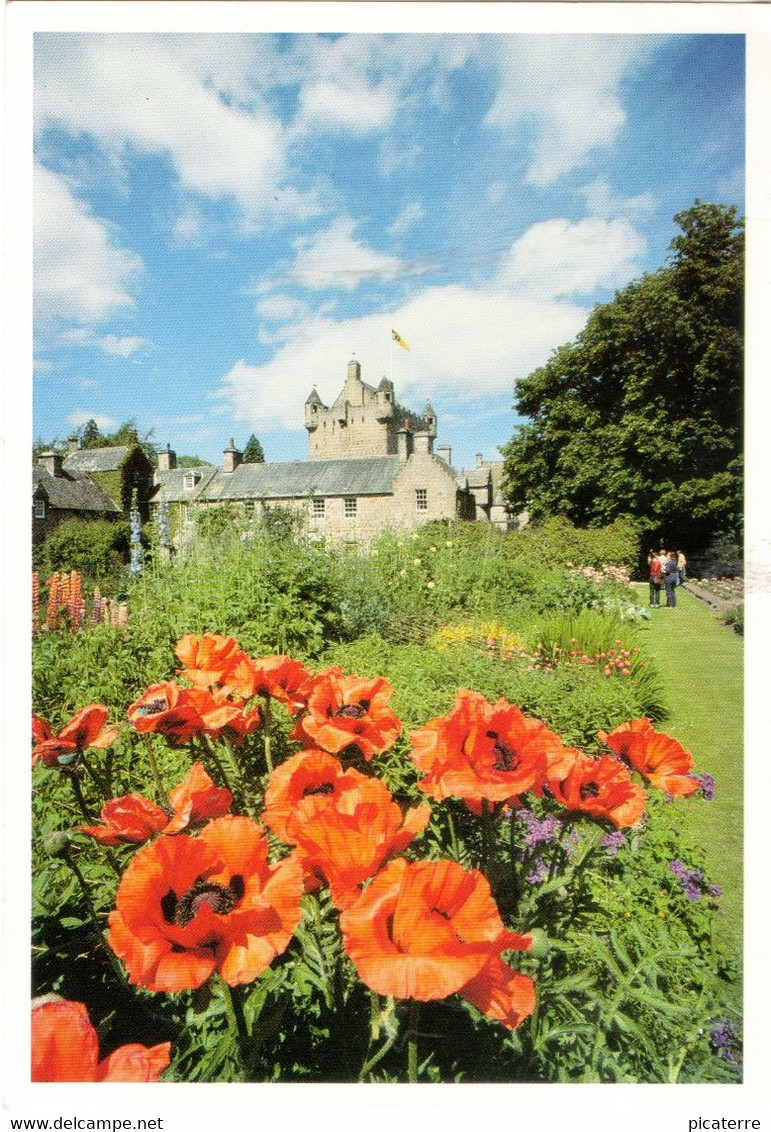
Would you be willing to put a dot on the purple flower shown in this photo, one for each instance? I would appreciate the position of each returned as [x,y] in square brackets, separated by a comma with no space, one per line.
[679,869]
[612,842]
[539,832]
[539,872]
[707,784]
[721,1033]
[715,890]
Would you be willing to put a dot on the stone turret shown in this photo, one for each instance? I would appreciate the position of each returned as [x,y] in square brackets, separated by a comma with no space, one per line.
[385,400]
[313,405]
[429,416]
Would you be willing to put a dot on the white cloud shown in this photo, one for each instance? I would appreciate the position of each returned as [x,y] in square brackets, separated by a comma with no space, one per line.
[408,216]
[334,258]
[603,202]
[122,347]
[150,92]
[82,416]
[352,106]
[464,344]
[567,90]
[497,191]
[558,258]
[80,271]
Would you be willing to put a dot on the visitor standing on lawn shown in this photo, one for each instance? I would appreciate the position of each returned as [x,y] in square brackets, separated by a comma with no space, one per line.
[654,568]
[670,578]
[681,564]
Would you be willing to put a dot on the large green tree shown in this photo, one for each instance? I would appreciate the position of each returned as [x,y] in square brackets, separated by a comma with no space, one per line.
[641,415]
[253,452]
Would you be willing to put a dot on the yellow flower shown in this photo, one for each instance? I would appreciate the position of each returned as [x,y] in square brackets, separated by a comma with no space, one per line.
[416,561]
[430,585]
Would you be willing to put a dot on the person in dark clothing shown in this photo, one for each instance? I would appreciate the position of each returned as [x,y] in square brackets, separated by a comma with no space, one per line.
[669,577]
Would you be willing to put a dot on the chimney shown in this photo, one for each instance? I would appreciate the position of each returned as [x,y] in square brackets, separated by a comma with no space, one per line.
[73,444]
[232,457]
[354,370]
[403,444]
[480,460]
[52,462]
[423,442]
[444,452]
[167,459]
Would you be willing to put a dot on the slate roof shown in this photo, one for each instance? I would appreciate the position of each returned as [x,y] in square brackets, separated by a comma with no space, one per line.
[96,459]
[297,479]
[72,493]
[170,487]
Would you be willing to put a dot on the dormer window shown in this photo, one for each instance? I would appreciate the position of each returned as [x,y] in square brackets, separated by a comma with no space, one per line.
[189,480]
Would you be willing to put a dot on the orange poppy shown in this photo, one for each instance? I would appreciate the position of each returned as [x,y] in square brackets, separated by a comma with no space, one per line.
[65,1047]
[346,711]
[167,709]
[86,729]
[483,752]
[309,774]
[602,788]
[279,677]
[218,713]
[425,930]
[347,835]
[210,660]
[189,906]
[195,800]
[500,993]
[658,757]
[130,818]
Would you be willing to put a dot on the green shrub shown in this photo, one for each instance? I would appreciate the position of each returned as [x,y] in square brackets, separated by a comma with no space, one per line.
[98,549]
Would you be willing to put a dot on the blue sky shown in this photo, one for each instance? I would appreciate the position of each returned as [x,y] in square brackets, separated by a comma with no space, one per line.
[221,221]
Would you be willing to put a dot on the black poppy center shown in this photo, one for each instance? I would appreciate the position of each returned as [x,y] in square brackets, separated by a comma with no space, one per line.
[504,758]
[589,790]
[322,788]
[352,711]
[182,910]
[152,707]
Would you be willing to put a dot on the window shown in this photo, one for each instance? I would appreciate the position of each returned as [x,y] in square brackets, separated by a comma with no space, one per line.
[249,508]
[421,499]
[189,480]
[318,508]
[40,508]
[349,508]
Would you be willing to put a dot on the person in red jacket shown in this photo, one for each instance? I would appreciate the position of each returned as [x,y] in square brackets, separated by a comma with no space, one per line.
[654,566]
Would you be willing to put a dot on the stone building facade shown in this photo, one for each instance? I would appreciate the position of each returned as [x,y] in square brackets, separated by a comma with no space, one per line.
[371,466]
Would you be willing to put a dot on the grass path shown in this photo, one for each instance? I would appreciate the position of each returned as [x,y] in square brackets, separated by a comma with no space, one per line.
[701,662]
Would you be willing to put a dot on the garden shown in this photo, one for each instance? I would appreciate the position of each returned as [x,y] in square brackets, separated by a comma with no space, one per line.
[409,813]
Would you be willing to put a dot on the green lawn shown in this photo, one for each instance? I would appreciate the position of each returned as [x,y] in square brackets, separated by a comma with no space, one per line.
[701,662]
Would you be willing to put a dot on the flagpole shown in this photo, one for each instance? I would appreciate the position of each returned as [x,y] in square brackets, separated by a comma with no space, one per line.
[390,357]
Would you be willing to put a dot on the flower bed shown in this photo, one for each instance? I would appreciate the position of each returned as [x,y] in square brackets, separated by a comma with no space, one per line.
[261,874]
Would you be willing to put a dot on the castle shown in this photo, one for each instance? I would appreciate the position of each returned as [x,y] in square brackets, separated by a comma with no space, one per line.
[371,465]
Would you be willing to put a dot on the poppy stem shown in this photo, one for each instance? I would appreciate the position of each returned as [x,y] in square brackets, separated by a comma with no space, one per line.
[118,970]
[374,1029]
[412,1043]
[159,788]
[266,736]
[103,790]
[79,798]
[237,1017]
[453,835]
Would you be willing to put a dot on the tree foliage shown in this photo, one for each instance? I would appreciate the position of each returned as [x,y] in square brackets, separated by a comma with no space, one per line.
[641,415]
[253,452]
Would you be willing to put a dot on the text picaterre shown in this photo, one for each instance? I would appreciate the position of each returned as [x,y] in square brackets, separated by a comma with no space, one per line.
[699,1123]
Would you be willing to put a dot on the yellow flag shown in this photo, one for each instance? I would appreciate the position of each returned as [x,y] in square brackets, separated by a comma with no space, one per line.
[398,339]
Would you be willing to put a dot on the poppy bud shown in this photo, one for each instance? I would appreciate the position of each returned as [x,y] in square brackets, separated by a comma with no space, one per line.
[541,943]
[57,844]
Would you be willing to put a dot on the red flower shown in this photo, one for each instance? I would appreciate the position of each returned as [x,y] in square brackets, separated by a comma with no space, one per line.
[131,818]
[601,788]
[279,677]
[502,994]
[196,799]
[167,709]
[65,1047]
[310,774]
[483,752]
[658,757]
[218,713]
[346,711]
[210,660]
[430,929]
[344,823]
[85,729]
[189,906]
